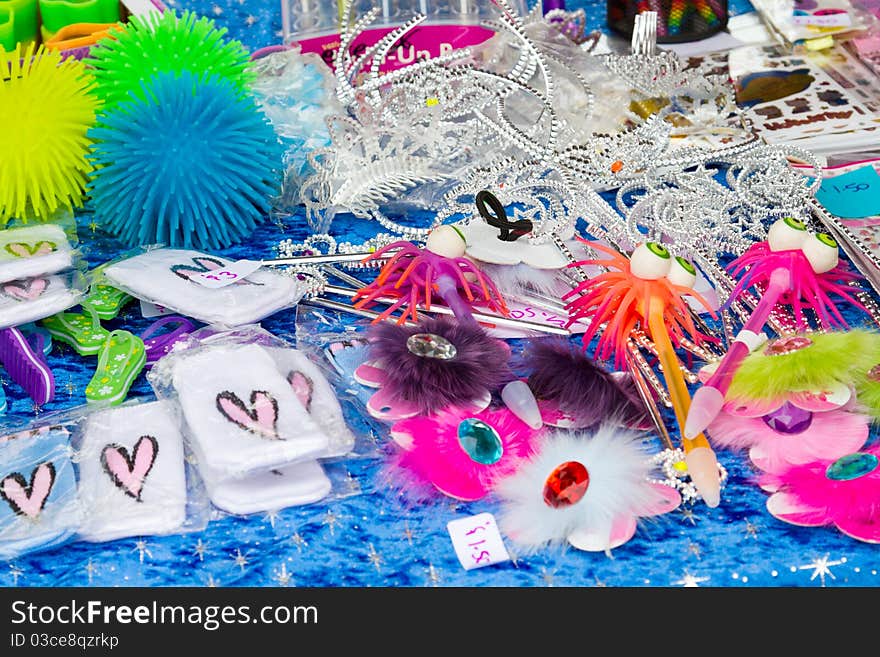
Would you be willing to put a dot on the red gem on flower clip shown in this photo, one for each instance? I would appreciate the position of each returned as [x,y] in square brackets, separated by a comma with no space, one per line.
[566,485]
[874,374]
[787,345]
[616,166]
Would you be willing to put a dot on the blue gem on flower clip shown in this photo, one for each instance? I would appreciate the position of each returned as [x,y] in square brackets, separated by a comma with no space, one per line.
[852,466]
[480,441]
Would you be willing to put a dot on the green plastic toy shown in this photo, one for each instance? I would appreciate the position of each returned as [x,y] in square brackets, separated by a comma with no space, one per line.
[18,23]
[56,14]
[82,332]
[122,358]
[107,301]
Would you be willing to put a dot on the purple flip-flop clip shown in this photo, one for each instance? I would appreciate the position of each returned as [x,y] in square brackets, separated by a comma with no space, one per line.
[159,345]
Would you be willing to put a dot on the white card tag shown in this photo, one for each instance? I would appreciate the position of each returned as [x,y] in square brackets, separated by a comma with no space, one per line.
[149,310]
[477,541]
[841,19]
[231,273]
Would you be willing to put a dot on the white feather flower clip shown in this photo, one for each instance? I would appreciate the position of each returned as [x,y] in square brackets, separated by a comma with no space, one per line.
[585,489]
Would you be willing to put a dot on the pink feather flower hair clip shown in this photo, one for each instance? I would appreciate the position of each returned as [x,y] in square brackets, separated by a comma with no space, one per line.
[842,493]
[584,490]
[791,436]
[457,452]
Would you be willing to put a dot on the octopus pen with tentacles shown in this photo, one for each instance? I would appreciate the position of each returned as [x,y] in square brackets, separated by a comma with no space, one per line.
[647,291]
[413,275]
[794,268]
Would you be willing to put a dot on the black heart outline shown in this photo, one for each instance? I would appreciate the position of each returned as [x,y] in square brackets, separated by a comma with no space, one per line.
[28,487]
[252,414]
[129,462]
[24,284]
[199,268]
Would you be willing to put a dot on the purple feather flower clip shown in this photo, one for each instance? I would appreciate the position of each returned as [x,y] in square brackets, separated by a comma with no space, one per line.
[438,363]
[572,391]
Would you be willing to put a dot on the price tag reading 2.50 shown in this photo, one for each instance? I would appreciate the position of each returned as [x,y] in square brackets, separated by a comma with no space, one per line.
[539,315]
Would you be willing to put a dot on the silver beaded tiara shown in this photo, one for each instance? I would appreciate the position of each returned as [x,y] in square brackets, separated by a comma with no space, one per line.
[432,134]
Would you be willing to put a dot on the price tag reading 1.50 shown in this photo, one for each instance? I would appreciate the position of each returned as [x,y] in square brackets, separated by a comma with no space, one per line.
[231,273]
[853,195]
[477,541]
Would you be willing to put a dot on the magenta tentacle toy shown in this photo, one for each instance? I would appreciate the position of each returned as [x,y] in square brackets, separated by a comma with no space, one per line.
[807,289]
[413,275]
[793,267]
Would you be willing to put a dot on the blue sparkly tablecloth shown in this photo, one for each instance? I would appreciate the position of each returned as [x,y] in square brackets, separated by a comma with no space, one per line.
[369,539]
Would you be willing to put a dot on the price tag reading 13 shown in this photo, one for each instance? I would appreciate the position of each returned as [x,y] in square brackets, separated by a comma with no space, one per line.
[231,273]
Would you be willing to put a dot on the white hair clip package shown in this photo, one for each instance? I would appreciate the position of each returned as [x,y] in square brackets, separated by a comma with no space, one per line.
[317,396]
[257,417]
[175,279]
[29,299]
[39,505]
[37,250]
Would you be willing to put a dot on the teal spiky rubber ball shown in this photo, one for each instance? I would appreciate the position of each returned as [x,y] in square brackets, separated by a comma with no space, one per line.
[186,162]
[157,43]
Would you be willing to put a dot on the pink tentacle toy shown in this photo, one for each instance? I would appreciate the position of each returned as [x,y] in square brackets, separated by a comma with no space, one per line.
[795,268]
[412,276]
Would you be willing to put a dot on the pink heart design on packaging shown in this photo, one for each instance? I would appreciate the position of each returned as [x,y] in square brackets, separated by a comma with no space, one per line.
[25,290]
[303,387]
[28,499]
[260,419]
[129,472]
[25,250]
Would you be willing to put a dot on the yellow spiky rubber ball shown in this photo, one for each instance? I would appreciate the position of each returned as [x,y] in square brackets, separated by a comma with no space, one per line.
[46,109]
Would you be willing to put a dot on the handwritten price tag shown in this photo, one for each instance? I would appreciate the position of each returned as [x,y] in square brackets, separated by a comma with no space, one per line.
[231,273]
[839,19]
[477,541]
[853,195]
[535,315]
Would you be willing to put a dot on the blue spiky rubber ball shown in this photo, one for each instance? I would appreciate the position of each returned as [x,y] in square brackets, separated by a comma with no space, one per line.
[186,161]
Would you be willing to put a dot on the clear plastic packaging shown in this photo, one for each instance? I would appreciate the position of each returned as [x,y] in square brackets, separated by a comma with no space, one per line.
[29,299]
[258,418]
[134,479]
[334,339]
[450,24]
[167,277]
[795,22]
[39,505]
[297,94]
[350,434]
